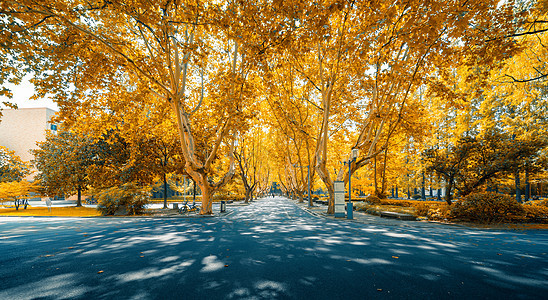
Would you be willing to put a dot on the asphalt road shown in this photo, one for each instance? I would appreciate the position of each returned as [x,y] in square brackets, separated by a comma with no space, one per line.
[269,250]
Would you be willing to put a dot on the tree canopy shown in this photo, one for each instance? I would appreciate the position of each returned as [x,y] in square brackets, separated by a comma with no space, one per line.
[12,168]
[304,81]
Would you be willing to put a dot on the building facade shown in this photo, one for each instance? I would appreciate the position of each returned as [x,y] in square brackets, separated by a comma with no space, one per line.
[21,129]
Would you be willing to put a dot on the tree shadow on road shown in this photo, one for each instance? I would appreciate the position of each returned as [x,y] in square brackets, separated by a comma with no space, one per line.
[267,250]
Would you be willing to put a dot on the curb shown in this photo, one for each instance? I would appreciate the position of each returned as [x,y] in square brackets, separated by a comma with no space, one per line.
[195,216]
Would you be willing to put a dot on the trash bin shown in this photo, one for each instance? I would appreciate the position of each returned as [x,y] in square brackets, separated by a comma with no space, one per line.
[223,206]
[349,211]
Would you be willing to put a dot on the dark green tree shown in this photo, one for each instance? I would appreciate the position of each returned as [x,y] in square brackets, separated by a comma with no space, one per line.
[62,161]
[472,161]
[12,168]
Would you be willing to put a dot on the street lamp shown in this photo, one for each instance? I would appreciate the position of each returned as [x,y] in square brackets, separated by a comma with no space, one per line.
[309,197]
[349,207]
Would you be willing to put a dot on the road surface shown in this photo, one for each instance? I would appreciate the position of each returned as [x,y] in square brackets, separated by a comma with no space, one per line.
[270,249]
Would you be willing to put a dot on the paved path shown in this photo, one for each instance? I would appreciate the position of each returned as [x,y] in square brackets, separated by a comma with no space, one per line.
[269,250]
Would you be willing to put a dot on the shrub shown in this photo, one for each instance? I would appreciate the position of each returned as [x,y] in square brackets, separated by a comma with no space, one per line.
[416,196]
[373,199]
[361,206]
[440,212]
[129,196]
[487,207]
[421,209]
[404,203]
[536,213]
[225,196]
[543,203]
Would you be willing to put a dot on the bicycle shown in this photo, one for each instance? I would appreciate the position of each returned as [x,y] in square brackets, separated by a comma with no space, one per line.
[187,208]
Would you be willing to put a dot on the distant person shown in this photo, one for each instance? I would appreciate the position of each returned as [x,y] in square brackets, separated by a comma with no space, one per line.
[48,204]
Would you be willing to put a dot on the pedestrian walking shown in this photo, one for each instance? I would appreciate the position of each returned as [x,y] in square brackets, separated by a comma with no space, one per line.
[48,204]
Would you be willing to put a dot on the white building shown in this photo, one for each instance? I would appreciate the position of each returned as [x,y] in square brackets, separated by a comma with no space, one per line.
[21,129]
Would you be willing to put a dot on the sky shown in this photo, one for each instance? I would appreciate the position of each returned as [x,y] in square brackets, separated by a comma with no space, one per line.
[22,93]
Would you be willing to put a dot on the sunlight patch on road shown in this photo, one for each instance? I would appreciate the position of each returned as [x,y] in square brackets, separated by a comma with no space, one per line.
[512,278]
[55,287]
[171,238]
[211,264]
[400,235]
[359,243]
[375,230]
[149,273]
[319,249]
[169,259]
[363,261]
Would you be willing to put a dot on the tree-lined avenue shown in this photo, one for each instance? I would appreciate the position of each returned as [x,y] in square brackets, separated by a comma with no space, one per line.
[270,249]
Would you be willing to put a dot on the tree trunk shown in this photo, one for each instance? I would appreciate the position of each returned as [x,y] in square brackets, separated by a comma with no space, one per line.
[423,191]
[518,191]
[527,186]
[331,201]
[79,200]
[448,189]
[193,190]
[207,198]
[383,180]
[165,191]
[248,194]
[375,175]
[300,195]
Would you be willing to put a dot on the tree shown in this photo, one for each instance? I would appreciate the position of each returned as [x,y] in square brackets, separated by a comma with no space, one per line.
[363,73]
[62,161]
[12,168]
[473,161]
[154,45]
[16,191]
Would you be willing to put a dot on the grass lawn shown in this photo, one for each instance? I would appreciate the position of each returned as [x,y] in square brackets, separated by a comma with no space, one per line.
[55,212]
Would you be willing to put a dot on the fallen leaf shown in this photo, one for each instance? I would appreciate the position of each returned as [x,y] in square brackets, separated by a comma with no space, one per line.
[226,266]
[379,290]
[499,254]
[48,255]
[142,256]
[395,257]
[100,272]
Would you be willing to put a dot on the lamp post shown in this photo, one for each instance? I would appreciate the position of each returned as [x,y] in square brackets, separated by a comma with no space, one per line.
[349,207]
[309,197]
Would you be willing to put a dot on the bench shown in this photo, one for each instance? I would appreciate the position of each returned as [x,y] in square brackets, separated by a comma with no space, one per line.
[399,216]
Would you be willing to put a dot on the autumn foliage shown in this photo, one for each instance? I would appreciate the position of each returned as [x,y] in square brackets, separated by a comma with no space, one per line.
[300,84]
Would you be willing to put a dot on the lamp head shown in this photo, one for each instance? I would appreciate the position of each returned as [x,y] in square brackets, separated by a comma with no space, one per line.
[355,153]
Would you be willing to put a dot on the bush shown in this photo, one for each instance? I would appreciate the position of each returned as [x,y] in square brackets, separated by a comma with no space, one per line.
[225,196]
[487,207]
[440,212]
[129,196]
[403,203]
[416,196]
[543,203]
[373,199]
[361,206]
[536,213]
[421,209]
